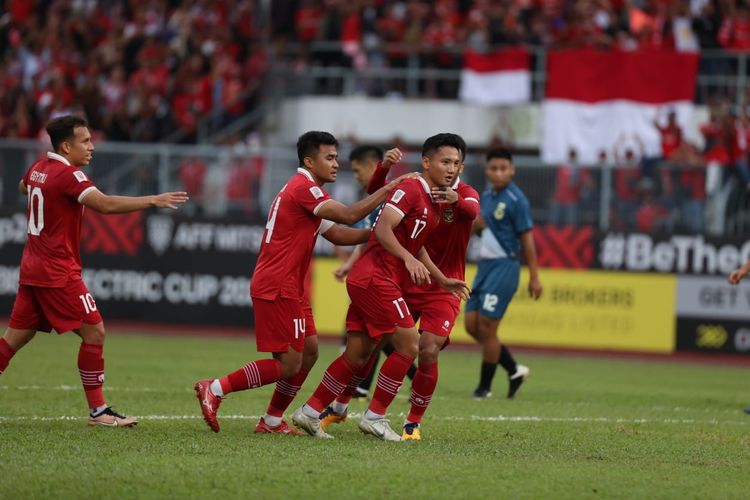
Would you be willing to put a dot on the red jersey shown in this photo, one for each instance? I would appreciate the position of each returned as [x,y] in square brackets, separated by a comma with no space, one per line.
[289,238]
[448,243]
[412,200]
[55,189]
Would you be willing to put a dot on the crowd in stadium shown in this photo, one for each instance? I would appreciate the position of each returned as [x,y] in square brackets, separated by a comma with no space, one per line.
[140,70]
[149,71]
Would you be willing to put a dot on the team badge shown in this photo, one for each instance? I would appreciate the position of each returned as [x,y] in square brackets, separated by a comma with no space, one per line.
[159,229]
[499,211]
[448,214]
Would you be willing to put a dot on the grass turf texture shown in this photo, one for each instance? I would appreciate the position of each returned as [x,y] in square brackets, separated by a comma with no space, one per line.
[579,428]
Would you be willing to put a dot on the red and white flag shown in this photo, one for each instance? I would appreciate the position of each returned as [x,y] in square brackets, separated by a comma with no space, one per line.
[499,77]
[596,99]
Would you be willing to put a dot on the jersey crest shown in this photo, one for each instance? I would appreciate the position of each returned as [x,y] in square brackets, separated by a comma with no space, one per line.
[499,211]
[449,215]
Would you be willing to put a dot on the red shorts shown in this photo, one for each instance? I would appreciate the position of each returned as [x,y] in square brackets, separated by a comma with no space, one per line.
[64,309]
[436,311]
[377,310]
[282,323]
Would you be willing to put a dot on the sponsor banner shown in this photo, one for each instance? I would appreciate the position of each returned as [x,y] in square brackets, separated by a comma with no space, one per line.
[566,247]
[579,309]
[671,254]
[712,297]
[716,336]
[154,267]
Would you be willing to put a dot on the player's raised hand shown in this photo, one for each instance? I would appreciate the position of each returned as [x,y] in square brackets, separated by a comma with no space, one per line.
[417,271]
[391,157]
[444,194]
[457,287]
[170,200]
[535,288]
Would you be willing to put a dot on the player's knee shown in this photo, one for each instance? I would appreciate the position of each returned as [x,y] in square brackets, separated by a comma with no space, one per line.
[290,367]
[428,353]
[93,334]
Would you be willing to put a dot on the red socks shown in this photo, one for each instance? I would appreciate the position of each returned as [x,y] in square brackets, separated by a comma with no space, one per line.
[346,396]
[335,379]
[422,388]
[390,378]
[91,368]
[6,353]
[285,392]
[252,375]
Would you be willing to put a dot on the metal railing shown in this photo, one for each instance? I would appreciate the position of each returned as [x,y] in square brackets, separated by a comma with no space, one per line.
[225,180]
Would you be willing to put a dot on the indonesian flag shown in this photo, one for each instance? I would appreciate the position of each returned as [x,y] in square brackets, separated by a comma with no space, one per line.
[499,77]
[595,100]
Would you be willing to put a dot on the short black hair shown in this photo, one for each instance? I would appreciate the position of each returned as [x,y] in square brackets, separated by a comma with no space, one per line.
[309,143]
[436,142]
[364,153]
[501,153]
[63,128]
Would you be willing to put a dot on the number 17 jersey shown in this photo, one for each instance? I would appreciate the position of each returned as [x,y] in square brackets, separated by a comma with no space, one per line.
[412,200]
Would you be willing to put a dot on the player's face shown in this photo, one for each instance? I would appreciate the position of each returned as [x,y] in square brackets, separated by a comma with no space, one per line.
[324,164]
[79,148]
[362,171]
[442,167]
[499,172]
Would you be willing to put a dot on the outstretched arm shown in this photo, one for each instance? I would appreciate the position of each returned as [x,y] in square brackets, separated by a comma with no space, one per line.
[96,200]
[455,286]
[346,236]
[338,212]
[740,273]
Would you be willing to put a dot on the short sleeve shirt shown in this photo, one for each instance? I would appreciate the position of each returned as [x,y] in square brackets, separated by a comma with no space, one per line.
[55,190]
[291,230]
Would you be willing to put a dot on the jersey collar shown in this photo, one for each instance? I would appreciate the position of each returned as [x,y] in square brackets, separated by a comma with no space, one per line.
[305,172]
[455,184]
[60,158]
[424,184]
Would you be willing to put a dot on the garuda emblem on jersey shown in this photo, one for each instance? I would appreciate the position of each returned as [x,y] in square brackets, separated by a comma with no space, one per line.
[499,211]
[449,214]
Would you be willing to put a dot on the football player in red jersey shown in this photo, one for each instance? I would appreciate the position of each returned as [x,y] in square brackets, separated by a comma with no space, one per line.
[435,308]
[51,293]
[378,312]
[283,319]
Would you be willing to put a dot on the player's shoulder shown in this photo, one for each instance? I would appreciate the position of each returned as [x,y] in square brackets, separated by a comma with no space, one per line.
[467,191]
[516,194]
[302,183]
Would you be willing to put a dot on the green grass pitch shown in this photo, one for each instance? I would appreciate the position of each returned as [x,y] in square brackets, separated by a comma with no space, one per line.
[579,428]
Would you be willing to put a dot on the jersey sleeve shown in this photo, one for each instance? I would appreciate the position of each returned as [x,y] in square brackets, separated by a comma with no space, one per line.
[311,197]
[402,198]
[522,216]
[468,201]
[377,180]
[75,184]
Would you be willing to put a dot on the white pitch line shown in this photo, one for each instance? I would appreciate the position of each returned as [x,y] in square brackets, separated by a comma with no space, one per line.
[471,418]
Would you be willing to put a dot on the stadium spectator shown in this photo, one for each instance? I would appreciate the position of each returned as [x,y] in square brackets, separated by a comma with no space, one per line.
[571,179]
[51,293]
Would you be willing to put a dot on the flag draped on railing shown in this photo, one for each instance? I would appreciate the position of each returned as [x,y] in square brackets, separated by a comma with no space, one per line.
[499,77]
[593,99]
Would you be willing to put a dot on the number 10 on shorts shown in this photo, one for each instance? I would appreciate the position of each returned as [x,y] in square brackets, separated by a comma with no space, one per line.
[88,302]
